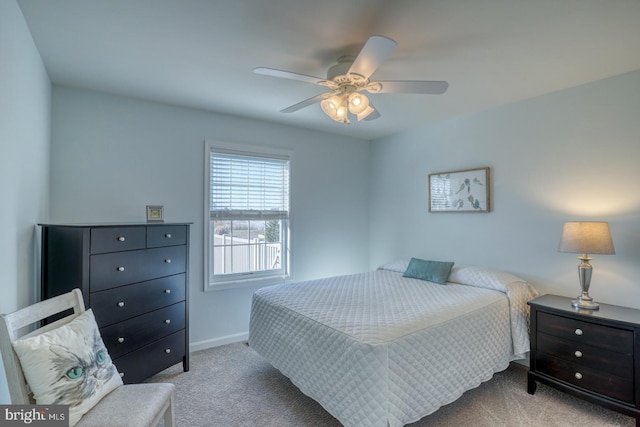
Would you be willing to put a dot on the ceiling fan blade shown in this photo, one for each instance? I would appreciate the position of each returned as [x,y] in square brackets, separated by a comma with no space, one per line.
[300,105]
[413,86]
[375,51]
[288,75]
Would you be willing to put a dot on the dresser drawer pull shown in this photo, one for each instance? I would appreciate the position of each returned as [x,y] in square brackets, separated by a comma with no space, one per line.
[578,353]
[167,291]
[168,235]
[120,268]
[578,331]
[578,376]
[167,321]
[120,304]
[121,339]
[121,239]
[167,350]
[168,261]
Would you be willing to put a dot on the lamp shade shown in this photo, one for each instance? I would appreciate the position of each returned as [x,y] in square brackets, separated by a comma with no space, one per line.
[586,238]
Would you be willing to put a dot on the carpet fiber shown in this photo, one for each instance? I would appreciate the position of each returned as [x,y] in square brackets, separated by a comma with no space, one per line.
[233,386]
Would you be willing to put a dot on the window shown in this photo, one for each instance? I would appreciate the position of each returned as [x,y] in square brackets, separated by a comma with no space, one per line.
[246,215]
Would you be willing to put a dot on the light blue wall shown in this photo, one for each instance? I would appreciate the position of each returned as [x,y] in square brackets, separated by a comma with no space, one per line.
[571,155]
[113,155]
[25,97]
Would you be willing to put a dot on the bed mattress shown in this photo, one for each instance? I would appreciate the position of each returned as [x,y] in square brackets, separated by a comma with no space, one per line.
[378,349]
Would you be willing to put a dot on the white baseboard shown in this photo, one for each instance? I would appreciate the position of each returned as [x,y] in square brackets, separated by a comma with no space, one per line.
[217,342]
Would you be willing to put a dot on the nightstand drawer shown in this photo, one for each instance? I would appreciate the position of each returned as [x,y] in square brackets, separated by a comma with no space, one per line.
[590,379]
[614,339]
[618,364]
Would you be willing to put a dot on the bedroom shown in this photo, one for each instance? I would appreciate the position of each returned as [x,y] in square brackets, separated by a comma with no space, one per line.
[561,156]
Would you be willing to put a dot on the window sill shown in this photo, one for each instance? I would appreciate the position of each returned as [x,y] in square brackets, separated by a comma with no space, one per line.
[245,283]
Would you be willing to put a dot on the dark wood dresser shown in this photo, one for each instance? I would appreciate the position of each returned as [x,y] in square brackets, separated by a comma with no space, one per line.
[135,279]
[594,355]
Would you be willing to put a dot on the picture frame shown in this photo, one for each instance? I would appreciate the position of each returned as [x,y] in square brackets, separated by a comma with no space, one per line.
[155,213]
[460,191]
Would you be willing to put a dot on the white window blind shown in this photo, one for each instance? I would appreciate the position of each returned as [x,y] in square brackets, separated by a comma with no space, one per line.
[247,217]
[246,186]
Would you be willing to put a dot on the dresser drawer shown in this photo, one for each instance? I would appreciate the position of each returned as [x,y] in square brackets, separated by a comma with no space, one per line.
[122,268]
[118,304]
[131,334]
[114,239]
[166,235]
[594,380]
[150,359]
[619,364]
[614,339]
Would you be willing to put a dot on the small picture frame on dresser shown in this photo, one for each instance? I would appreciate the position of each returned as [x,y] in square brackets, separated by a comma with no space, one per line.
[155,213]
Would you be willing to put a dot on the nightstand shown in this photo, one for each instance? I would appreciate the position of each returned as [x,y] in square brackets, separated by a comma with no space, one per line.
[591,354]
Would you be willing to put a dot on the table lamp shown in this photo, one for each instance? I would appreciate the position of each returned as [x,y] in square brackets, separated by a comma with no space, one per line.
[586,238]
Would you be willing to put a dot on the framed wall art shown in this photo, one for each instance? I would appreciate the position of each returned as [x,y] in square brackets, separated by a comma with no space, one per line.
[155,213]
[460,191]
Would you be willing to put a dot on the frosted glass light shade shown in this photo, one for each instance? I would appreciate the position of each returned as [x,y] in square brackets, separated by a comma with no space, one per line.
[330,106]
[365,113]
[358,103]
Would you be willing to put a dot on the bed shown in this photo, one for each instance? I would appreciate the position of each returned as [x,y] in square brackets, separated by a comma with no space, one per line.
[380,349]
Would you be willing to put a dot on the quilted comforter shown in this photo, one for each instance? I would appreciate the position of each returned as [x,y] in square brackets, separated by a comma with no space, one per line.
[378,349]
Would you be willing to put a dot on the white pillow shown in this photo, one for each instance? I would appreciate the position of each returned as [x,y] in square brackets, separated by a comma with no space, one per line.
[483,277]
[68,365]
[399,266]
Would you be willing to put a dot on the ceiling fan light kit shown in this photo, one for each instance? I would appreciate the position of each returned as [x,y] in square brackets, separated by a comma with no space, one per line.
[349,78]
[347,100]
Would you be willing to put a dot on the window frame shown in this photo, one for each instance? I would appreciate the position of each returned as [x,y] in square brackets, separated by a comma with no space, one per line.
[250,278]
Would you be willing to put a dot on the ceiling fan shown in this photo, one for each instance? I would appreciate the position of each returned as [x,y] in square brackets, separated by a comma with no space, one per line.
[349,78]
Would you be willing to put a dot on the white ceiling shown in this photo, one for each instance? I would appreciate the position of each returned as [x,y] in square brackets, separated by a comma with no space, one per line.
[200,53]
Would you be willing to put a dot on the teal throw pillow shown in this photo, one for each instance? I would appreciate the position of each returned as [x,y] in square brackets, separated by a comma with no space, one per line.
[432,271]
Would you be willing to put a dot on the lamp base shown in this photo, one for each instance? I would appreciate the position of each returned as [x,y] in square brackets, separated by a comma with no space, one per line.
[586,302]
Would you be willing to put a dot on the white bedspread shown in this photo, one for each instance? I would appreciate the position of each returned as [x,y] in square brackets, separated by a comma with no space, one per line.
[377,349]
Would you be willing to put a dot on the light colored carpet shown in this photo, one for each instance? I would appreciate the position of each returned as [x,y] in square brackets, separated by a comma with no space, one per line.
[233,386]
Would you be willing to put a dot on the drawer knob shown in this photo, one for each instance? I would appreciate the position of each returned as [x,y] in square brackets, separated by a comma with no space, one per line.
[168,261]
[167,291]
[121,239]
[168,235]
[578,353]
[121,304]
[578,376]
[167,321]
[120,268]
[121,339]
[578,331]
[167,350]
